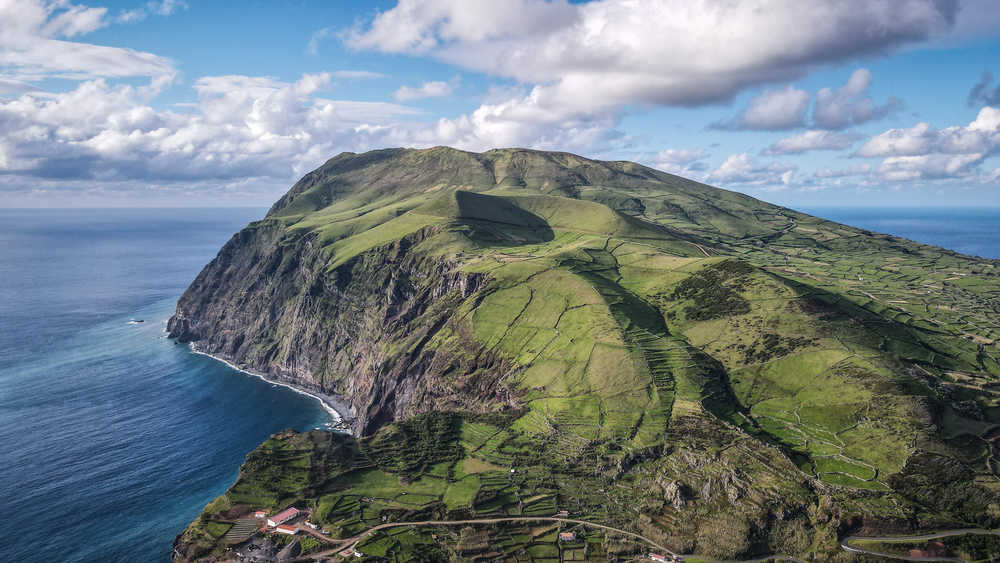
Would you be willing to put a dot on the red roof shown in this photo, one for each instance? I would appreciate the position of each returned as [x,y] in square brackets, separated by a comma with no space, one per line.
[286,528]
[285,514]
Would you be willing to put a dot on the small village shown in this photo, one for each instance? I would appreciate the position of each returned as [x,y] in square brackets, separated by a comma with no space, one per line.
[257,537]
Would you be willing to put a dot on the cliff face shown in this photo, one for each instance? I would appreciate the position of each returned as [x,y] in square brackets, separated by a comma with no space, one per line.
[268,303]
[753,380]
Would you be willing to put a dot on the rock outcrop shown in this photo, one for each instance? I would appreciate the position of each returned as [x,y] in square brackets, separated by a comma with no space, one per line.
[268,303]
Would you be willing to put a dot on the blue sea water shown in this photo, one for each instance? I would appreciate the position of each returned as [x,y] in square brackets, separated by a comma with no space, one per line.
[112,436]
[970,230]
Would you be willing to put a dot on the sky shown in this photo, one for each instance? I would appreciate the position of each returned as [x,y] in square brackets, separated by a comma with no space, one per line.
[210,102]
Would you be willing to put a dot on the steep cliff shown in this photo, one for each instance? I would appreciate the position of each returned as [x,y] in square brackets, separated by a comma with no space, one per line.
[520,332]
[359,330]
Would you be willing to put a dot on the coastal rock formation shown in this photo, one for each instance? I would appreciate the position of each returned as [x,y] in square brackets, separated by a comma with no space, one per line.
[269,304]
[529,333]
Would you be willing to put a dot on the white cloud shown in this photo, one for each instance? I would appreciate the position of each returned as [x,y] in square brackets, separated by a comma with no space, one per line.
[241,127]
[850,104]
[528,121]
[685,162]
[907,168]
[837,108]
[771,110]
[742,169]
[583,63]
[679,52]
[436,89]
[153,7]
[12,86]
[575,66]
[980,136]
[416,26]
[679,156]
[925,152]
[75,20]
[812,140]
[32,45]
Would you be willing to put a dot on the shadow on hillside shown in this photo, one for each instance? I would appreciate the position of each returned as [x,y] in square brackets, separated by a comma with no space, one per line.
[495,220]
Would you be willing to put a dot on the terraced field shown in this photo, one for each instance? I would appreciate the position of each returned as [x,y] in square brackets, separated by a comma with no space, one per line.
[523,333]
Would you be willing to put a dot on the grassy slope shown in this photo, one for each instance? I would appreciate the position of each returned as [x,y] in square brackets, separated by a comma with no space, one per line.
[849,351]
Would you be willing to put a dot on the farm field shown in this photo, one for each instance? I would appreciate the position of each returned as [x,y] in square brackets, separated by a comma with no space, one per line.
[724,376]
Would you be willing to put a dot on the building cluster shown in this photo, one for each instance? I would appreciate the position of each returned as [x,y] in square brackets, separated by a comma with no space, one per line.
[280,522]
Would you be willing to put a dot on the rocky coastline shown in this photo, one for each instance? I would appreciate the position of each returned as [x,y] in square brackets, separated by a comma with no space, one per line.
[339,408]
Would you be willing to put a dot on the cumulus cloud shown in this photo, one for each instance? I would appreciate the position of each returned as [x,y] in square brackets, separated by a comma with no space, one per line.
[812,140]
[435,89]
[240,128]
[244,129]
[981,136]
[984,92]
[743,169]
[575,67]
[677,52]
[922,151]
[836,108]
[929,166]
[527,121]
[33,44]
[416,26]
[770,111]
[850,104]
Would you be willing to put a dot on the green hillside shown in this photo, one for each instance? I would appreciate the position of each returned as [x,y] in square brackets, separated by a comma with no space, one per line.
[522,332]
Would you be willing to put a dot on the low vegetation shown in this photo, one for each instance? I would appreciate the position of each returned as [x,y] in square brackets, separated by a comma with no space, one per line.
[723,376]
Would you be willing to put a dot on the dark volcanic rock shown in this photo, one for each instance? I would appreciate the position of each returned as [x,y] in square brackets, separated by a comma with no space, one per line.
[268,303]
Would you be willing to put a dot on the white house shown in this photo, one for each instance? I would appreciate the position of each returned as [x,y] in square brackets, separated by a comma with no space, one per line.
[283,516]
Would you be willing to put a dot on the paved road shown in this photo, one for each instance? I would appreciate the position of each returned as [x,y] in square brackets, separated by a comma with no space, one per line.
[318,535]
[757,560]
[353,541]
[846,543]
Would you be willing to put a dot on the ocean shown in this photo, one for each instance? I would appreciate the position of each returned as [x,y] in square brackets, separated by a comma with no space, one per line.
[970,230]
[115,437]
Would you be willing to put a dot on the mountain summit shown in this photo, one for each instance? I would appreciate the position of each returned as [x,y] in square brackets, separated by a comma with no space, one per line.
[519,333]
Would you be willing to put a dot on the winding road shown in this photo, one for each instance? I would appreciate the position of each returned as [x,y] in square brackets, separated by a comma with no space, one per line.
[846,543]
[351,542]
